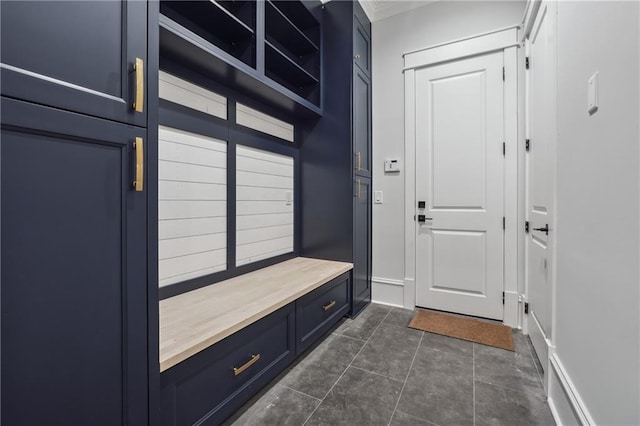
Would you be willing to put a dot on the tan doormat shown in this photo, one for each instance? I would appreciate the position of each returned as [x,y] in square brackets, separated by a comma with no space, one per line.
[486,333]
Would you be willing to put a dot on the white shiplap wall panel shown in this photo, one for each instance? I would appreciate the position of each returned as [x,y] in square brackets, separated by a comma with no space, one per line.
[176,190]
[182,92]
[191,209]
[195,265]
[177,247]
[183,172]
[191,139]
[263,221]
[249,193]
[263,234]
[259,180]
[253,252]
[257,120]
[178,228]
[192,205]
[183,153]
[264,206]
[265,166]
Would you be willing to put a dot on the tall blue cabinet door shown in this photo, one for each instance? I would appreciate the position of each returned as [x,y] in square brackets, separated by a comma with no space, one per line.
[362,245]
[361,122]
[73,270]
[76,55]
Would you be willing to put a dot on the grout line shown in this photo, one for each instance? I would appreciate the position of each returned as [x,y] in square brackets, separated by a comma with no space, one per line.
[345,370]
[524,392]
[415,354]
[377,374]
[349,337]
[297,391]
[418,418]
[473,351]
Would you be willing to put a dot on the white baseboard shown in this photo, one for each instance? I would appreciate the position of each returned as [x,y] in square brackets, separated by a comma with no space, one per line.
[565,402]
[387,291]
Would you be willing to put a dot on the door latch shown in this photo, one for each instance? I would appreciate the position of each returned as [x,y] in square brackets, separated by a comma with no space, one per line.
[422,218]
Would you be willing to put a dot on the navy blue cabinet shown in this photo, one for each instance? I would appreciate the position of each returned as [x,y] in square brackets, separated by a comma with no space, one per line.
[211,385]
[362,245]
[317,311]
[73,270]
[77,56]
[336,151]
[76,304]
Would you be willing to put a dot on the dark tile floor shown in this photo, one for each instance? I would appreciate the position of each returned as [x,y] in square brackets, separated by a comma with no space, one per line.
[375,371]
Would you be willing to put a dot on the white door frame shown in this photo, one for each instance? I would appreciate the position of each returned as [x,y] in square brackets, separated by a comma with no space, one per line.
[549,7]
[506,40]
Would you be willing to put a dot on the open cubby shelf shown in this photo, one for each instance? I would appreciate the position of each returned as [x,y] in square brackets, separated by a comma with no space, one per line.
[291,63]
[214,22]
[282,69]
[290,40]
[243,10]
[300,17]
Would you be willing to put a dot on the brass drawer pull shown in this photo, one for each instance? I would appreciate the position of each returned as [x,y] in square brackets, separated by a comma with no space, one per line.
[329,305]
[138,67]
[359,162]
[138,184]
[253,360]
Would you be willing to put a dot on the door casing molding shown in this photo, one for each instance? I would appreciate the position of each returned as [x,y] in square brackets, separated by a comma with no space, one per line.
[505,40]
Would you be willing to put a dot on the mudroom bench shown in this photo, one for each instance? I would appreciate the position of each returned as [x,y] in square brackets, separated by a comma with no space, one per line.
[221,344]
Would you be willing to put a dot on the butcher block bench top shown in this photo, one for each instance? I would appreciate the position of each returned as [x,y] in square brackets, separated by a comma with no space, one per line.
[193,321]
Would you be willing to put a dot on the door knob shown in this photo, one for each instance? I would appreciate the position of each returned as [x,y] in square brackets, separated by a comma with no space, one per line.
[422,218]
[545,229]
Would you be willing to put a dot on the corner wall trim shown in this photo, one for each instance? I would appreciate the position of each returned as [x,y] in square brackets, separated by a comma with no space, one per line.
[570,391]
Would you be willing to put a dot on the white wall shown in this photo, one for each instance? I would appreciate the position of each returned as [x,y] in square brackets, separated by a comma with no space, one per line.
[597,321]
[432,24]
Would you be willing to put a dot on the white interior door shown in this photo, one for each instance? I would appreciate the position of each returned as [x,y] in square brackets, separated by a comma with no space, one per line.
[460,177]
[540,178]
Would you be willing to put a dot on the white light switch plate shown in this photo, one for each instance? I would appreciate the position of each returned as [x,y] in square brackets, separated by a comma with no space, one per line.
[377,197]
[592,91]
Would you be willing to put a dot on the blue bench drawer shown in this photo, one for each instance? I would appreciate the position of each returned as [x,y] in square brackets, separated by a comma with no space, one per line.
[319,310]
[211,385]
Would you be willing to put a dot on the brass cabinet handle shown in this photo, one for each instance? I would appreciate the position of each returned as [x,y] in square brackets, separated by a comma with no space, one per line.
[329,305]
[138,67]
[359,162]
[238,370]
[358,193]
[138,184]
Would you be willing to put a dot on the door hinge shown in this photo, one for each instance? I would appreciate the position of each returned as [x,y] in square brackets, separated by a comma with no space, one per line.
[504,149]
[527,145]
[526,307]
[503,74]
[526,227]
[504,222]
[526,62]
[503,297]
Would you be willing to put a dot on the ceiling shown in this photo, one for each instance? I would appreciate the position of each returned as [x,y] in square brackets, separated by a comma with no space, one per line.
[377,10]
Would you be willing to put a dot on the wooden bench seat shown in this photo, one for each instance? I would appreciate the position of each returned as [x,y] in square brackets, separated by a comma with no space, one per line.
[193,321]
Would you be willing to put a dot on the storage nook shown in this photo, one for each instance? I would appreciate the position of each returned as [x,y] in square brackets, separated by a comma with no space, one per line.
[205,214]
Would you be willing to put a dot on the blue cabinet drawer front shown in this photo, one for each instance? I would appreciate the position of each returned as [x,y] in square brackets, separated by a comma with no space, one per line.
[205,389]
[317,311]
